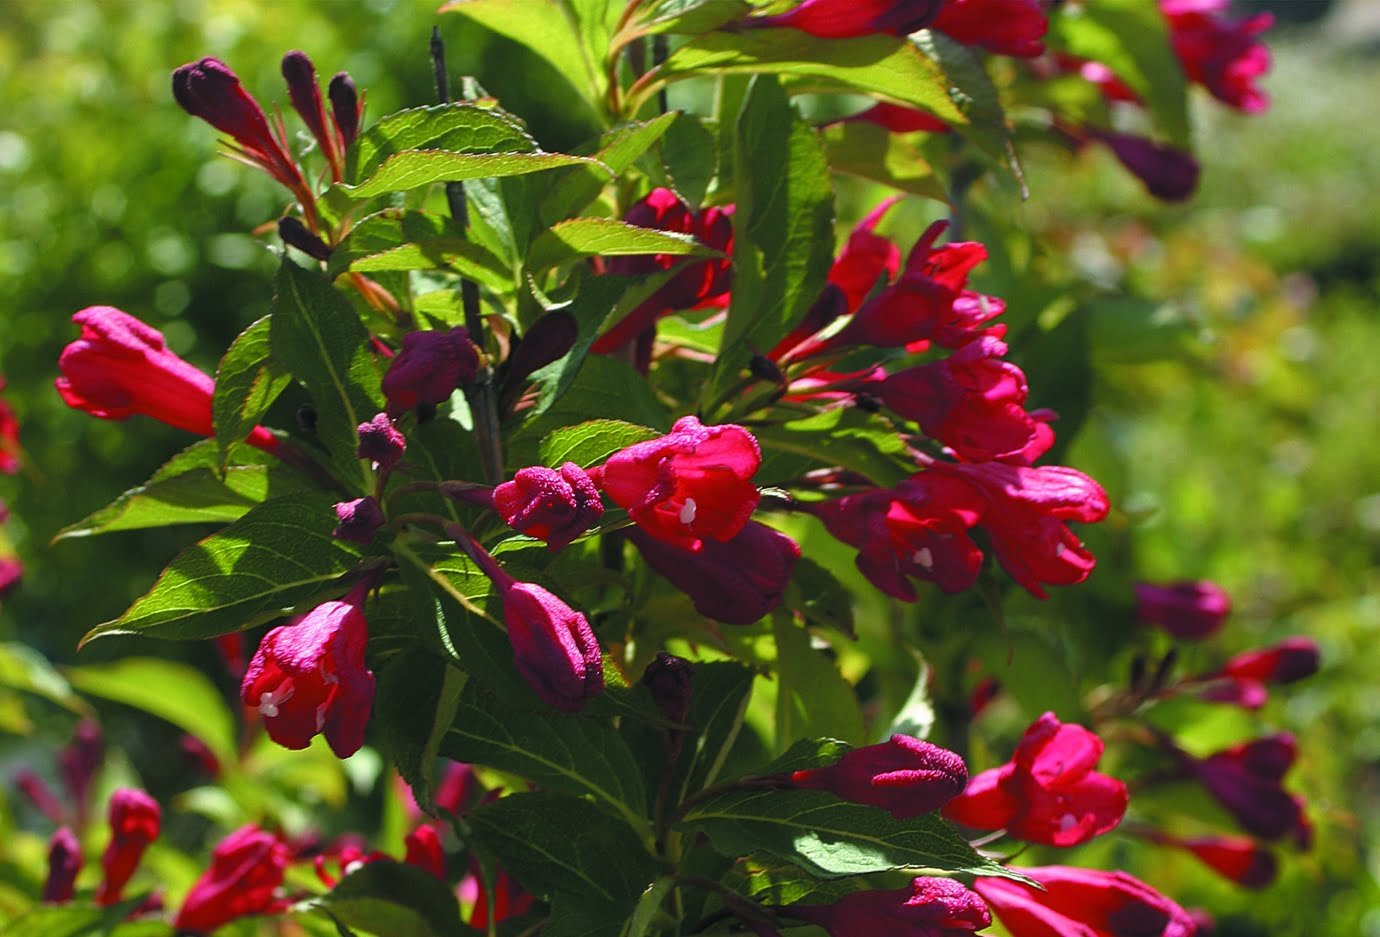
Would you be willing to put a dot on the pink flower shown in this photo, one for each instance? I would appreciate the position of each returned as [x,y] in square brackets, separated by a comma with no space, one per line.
[904,776]
[208,89]
[381,443]
[246,870]
[1239,859]
[120,367]
[424,851]
[11,572]
[309,676]
[78,762]
[1083,903]
[1167,172]
[1026,517]
[697,283]
[1289,660]
[1007,27]
[134,823]
[930,907]
[1247,780]
[1048,792]
[430,367]
[9,439]
[973,402]
[917,530]
[736,581]
[1219,53]
[846,19]
[549,504]
[1189,610]
[690,485]
[64,862]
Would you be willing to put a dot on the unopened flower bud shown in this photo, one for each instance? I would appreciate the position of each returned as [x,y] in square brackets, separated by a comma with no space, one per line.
[424,851]
[905,776]
[246,871]
[1289,660]
[381,443]
[64,862]
[933,907]
[79,761]
[305,94]
[1168,173]
[428,369]
[134,823]
[669,679]
[551,505]
[553,646]
[1187,610]
[346,106]
[359,520]
[295,234]
[764,369]
[549,338]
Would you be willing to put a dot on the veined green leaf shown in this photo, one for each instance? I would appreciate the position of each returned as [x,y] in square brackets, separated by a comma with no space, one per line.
[607,237]
[843,437]
[395,239]
[389,897]
[458,127]
[574,188]
[412,169]
[869,151]
[247,382]
[591,442]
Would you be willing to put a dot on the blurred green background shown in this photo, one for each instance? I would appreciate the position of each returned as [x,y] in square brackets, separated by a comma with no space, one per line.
[1249,458]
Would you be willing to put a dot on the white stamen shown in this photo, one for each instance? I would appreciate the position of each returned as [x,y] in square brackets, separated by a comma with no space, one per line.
[1067,822]
[687,513]
[1059,549]
[925,557]
[270,702]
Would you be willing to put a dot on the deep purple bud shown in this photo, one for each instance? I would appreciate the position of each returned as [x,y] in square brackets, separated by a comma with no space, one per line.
[1168,173]
[381,443]
[933,907]
[1247,780]
[736,581]
[64,862]
[428,369]
[32,786]
[555,506]
[305,93]
[1289,660]
[905,776]
[549,338]
[553,646]
[79,761]
[359,520]
[1188,610]
[764,369]
[346,107]
[295,234]
[669,679]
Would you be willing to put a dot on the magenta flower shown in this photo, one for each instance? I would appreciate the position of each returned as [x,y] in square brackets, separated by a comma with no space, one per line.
[1026,518]
[120,366]
[424,851]
[900,119]
[1167,172]
[697,283]
[134,823]
[904,776]
[9,439]
[1189,610]
[208,89]
[1247,780]
[1006,27]
[78,762]
[846,19]
[1221,54]
[381,443]
[930,907]
[245,874]
[64,862]
[1083,903]
[1289,660]
[973,402]
[309,676]
[429,368]
[917,530]
[11,572]
[1048,792]
[358,520]
[690,485]
[553,646]
[552,505]
[735,581]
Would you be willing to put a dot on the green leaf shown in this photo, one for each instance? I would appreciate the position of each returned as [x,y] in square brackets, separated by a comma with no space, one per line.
[917,712]
[648,908]
[418,694]
[320,339]
[457,127]
[557,844]
[279,554]
[247,382]
[1132,39]
[169,690]
[772,882]
[591,442]
[690,158]
[1132,330]
[843,437]
[607,237]
[690,17]
[27,670]
[80,919]
[559,752]
[395,239]
[412,169]
[883,65]
[387,897]
[574,188]
[829,837]
[871,152]
[549,29]
[783,229]
[817,594]
[813,699]
[718,703]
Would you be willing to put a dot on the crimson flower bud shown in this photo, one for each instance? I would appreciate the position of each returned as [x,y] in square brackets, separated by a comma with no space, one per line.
[549,338]
[11,572]
[1048,793]
[846,19]
[9,443]
[553,646]
[246,870]
[1237,858]
[1289,660]
[78,762]
[428,369]
[359,520]
[900,119]
[691,484]
[347,107]
[305,94]
[735,582]
[381,443]
[134,824]
[552,505]
[1086,902]
[1247,780]
[309,676]
[1006,27]
[905,776]
[200,756]
[1167,172]
[38,792]
[64,862]
[670,679]
[424,851]
[208,89]
[930,907]
[295,234]
[1187,610]
[120,366]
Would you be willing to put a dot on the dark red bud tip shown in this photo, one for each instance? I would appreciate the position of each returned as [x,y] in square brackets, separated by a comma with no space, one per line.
[549,338]
[345,106]
[295,234]
[381,443]
[669,679]
[764,369]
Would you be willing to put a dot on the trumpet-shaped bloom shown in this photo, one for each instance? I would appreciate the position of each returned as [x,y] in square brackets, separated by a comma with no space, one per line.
[134,823]
[1221,54]
[246,870]
[1083,903]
